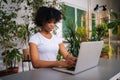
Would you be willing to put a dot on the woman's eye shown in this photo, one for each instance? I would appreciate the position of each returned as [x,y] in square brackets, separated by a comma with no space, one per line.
[52,22]
[49,22]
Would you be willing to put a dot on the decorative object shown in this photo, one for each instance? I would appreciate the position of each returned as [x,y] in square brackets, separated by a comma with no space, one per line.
[74,28]
[102,6]
[73,36]
[99,32]
[107,52]
[10,33]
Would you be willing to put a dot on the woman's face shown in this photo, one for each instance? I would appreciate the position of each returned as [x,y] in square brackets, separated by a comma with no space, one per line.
[49,26]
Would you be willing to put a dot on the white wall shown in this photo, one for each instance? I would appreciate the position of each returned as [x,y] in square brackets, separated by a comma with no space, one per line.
[111,4]
[83,4]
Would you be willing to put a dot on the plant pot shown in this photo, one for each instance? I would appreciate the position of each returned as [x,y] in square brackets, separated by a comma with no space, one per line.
[9,71]
[104,55]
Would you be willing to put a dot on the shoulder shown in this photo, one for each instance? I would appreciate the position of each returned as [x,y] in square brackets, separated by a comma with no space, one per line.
[35,35]
[35,38]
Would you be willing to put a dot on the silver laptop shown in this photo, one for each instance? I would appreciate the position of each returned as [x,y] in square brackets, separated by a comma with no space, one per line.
[88,57]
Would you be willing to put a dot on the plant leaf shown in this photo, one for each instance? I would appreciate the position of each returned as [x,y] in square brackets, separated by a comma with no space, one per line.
[111,25]
[115,15]
[115,30]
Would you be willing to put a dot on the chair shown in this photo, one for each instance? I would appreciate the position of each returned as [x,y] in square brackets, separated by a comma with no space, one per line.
[26,59]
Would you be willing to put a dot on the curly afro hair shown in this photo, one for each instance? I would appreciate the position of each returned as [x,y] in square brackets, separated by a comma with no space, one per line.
[46,14]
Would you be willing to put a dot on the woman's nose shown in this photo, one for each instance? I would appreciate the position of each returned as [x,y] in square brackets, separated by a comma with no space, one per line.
[52,25]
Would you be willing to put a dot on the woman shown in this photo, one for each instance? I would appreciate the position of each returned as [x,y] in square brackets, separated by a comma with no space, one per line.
[44,46]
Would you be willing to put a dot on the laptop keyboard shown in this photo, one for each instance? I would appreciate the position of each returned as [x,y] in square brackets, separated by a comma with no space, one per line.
[71,68]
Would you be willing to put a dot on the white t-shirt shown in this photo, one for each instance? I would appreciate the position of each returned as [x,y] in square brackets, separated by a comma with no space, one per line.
[47,48]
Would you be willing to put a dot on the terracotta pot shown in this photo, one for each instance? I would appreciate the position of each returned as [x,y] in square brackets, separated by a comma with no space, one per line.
[104,55]
[9,71]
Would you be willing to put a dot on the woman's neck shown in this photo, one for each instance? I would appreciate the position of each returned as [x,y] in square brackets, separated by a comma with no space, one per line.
[46,34]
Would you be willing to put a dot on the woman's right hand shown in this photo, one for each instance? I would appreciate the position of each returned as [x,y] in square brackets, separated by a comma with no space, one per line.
[65,63]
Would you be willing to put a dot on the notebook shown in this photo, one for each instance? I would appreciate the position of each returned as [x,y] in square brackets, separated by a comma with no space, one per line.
[88,57]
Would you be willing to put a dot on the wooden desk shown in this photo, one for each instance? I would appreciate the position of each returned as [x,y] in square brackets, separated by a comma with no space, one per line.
[104,71]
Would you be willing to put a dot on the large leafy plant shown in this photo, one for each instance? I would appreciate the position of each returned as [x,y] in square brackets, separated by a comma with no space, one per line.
[10,32]
[99,32]
[13,56]
[73,36]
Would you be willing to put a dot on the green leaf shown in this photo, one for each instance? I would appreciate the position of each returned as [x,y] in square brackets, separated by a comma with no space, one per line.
[111,25]
[115,15]
[115,30]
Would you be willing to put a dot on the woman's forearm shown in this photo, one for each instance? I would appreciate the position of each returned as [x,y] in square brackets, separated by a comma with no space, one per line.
[44,64]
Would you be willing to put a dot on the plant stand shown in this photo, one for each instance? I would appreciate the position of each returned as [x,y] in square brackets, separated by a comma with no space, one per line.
[9,71]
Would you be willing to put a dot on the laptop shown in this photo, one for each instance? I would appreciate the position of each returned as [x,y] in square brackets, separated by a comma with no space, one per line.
[88,57]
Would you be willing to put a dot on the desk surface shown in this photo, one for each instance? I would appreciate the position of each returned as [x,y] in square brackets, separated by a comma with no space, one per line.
[106,69]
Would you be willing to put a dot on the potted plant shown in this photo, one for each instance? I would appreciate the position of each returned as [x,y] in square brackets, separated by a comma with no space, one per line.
[107,52]
[99,32]
[11,58]
[81,31]
[10,33]
[73,36]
